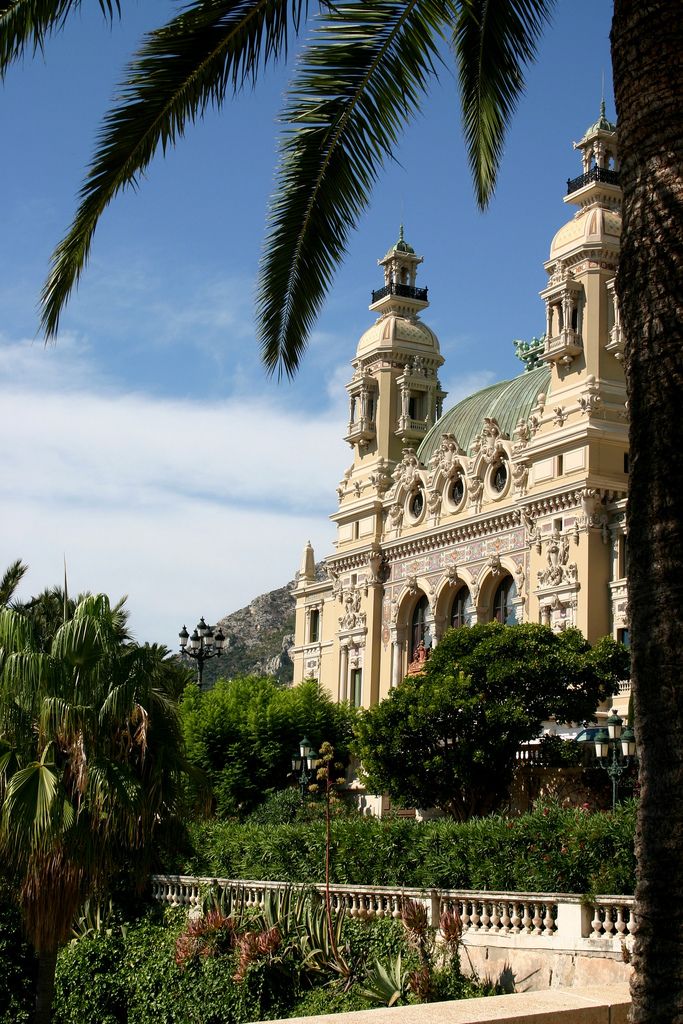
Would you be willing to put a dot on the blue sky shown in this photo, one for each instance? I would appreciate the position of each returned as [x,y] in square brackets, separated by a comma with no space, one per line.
[148,446]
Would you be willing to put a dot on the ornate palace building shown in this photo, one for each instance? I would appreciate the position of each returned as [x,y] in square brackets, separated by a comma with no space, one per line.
[508,506]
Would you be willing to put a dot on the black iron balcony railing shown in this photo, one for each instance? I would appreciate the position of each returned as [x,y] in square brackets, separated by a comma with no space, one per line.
[404,291]
[595,174]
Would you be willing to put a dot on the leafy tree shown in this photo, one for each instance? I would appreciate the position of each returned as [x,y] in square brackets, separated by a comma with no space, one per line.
[242,734]
[90,765]
[448,738]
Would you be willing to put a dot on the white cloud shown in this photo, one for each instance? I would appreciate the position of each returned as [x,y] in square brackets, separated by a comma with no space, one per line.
[175,561]
[189,507]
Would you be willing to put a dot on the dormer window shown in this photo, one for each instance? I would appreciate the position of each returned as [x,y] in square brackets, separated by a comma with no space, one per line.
[457,491]
[416,503]
[500,478]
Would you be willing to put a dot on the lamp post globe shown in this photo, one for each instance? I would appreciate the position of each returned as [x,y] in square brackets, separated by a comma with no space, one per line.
[202,645]
[304,764]
[615,750]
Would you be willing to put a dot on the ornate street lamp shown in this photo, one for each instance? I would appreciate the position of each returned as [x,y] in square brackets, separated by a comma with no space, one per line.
[608,742]
[305,762]
[202,645]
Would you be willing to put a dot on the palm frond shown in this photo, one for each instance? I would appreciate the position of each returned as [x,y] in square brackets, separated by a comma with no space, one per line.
[78,642]
[26,23]
[26,675]
[30,804]
[493,41]
[115,794]
[212,46]
[62,719]
[11,579]
[15,631]
[358,84]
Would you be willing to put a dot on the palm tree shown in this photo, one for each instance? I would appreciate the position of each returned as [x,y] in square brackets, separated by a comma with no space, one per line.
[10,580]
[90,765]
[365,56]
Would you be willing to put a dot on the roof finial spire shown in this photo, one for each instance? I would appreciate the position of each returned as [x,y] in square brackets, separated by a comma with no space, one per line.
[400,234]
[602,100]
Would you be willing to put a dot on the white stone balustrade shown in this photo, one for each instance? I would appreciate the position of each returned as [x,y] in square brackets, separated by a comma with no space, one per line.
[550,921]
[613,917]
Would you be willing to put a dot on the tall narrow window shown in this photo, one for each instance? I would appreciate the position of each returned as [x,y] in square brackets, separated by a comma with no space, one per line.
[503,610]
[419,626]
[314,626]
[357,687]
[460,612]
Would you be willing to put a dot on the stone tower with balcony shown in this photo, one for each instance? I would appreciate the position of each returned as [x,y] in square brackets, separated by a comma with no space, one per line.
[510,505]
[394,394]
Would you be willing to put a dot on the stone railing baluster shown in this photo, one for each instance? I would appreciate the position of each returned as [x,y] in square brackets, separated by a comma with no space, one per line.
[606,922]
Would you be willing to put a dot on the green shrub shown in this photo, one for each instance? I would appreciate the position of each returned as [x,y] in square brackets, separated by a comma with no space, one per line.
[133,976]
[331,999]
[553,849]
[134,979]
[242,733]
[285,807]
[19,964]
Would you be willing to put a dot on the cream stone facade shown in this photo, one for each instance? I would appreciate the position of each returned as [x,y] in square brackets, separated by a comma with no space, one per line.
[510,506]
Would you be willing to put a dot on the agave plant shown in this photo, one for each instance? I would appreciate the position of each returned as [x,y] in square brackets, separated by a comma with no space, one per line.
[230,900]
[387,984]
[93,919]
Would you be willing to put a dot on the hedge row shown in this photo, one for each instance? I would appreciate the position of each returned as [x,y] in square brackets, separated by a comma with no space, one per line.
[553,849]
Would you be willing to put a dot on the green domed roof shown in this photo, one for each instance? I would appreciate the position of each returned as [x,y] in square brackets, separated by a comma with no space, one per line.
[601,125]
[507,402]
[401,245]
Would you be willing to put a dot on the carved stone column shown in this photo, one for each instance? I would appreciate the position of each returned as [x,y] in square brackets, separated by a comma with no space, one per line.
[343,673]
[396,661]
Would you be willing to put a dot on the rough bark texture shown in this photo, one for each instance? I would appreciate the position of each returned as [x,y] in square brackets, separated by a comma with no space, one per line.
[647,43]
[47,964]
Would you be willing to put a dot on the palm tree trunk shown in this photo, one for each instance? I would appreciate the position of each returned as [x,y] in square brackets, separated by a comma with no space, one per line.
[47,964]
[647,42]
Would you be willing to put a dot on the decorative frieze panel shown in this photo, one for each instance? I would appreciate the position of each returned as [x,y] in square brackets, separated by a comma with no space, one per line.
[461,554]
[558,584]
[352,616]
[559,570]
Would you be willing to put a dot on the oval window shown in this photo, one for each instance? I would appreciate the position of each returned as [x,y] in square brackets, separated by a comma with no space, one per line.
[417,503]
[500,478]
[457,491]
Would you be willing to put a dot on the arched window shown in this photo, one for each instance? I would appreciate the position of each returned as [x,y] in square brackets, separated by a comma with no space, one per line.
[419,629]
[461,610]
[503,610]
